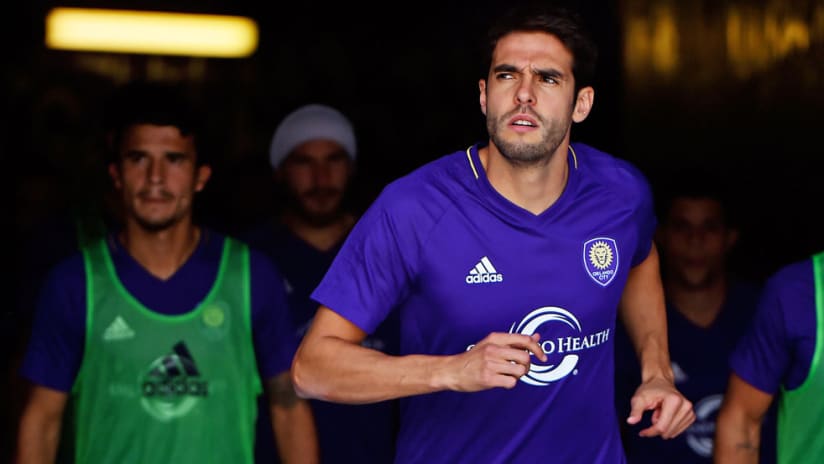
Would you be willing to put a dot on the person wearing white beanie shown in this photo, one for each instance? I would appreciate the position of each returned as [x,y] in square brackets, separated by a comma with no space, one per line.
[312,154]
[311,122]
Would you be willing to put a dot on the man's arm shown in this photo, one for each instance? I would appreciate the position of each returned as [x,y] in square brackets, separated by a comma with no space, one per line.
[643,312]
[331,365]
[40,423]
[738,427]
[292,421]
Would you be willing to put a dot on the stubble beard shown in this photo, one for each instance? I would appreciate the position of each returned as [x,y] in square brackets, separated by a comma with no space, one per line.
[157,224]
[314,217]
[525,154]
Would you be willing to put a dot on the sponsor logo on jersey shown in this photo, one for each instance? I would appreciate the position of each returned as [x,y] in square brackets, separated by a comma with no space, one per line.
[601,259]
[172,385]
[118,330]
[562,338]
[700,434]
[484,273]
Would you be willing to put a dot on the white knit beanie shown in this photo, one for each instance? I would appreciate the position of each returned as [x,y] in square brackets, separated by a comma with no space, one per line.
[311,122]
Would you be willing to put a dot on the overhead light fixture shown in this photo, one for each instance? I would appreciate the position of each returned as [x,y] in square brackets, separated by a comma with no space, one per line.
[150,32]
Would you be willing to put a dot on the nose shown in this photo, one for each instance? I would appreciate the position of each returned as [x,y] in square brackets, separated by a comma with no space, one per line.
[525,94]
[696,236]
[322,174]
[156,172]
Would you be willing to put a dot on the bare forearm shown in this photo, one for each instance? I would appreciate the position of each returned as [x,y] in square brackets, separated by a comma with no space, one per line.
[332,365]
[37,441]
[652,348]
[336,370]
[643,313]
[737,438]
[295,433]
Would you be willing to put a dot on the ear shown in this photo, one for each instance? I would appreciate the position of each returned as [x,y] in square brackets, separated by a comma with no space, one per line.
[204,172]
[114,173]
[482,88]
[583,104]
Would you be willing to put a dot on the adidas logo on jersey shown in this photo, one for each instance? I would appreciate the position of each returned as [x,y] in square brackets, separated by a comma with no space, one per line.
[118,330]
[483,273]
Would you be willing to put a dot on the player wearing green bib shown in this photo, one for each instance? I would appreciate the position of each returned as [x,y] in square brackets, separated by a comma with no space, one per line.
[779,359]
[155,339]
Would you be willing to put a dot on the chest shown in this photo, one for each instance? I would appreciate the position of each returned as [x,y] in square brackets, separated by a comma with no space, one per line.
[563,278]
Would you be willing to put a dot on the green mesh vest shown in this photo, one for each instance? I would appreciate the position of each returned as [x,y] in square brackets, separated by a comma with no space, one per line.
[801,411]
[154,388]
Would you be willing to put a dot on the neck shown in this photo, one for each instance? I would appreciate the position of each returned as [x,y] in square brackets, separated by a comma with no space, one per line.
[700,306]
[321,237]
[160,252]
[534,187]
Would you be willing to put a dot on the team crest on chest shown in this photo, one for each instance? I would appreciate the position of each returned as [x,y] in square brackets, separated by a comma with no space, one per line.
[601,259]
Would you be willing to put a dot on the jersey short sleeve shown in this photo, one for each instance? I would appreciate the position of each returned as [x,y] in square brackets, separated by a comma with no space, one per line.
[376,265]
[272,328]
[776,350]
[55,348]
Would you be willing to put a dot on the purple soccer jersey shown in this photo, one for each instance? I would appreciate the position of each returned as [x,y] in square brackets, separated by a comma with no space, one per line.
[778,348]
[458,261]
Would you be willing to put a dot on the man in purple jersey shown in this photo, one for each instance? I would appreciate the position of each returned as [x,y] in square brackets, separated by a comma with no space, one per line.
[507,263]
[779,357]
[152,341]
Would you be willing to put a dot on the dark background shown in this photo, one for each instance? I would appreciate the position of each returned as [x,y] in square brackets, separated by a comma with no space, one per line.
[736,87]
[732,86]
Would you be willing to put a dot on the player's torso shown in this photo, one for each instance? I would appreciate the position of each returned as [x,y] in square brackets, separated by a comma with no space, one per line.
[559,274]
[159,376]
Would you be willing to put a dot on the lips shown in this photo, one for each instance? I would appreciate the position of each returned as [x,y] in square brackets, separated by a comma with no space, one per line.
[523,121]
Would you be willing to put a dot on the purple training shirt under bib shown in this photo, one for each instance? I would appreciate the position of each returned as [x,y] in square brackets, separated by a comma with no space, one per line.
[459,261]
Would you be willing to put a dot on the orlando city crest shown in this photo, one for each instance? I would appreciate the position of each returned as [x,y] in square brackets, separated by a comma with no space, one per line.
[601,259]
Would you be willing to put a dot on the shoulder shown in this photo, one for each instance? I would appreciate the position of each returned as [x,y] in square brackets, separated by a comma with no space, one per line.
[427,190]
[260,263]
[436,175]
[792,279]
[69,273]
[609,171]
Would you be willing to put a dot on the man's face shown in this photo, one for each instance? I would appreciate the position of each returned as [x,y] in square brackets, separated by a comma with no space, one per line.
[529,97]
[315,175]
[695,241]
[157,176]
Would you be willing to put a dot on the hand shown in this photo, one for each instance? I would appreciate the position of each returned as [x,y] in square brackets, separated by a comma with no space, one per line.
[672,413]
[498,360]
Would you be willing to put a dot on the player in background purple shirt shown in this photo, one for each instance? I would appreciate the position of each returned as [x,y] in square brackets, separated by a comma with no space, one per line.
[708,308]
[313,155]
[507,263]
[779,360]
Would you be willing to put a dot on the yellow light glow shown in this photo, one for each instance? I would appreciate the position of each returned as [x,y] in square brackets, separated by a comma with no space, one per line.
[148,32]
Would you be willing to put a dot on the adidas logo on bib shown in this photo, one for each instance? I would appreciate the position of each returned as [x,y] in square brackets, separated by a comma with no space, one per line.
[118,330]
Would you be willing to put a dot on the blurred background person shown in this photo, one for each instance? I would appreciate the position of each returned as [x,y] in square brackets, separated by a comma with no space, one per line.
[708,308]
[312,154]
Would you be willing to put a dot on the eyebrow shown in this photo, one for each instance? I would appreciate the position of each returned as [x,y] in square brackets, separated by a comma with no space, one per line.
[505,68]
[550,72]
